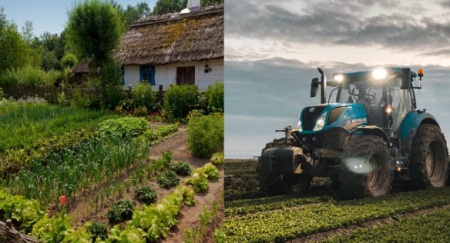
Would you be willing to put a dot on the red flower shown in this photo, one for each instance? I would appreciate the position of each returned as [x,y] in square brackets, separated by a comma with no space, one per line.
[63,199]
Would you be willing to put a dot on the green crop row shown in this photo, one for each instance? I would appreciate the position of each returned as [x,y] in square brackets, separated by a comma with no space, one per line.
[24,125]
[200,176]
[289,224]
[430,228]
[75,169]
[242,207]
[151,223]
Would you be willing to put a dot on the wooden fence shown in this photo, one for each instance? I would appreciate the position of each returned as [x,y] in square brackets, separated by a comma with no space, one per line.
[51,94]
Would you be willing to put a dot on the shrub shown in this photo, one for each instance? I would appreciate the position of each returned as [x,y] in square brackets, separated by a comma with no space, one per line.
[141,111]
[97,230]
[49,79]
[181,168]
[180,99]
[114,96]
[205,135]
[217,158]
[79,99]
[143,96]
[121,211]
[168,179]
[215,96]
[9,78]
[146,194]
[123,127]
[30,76]
[1,93]
[69,60]
[195,113]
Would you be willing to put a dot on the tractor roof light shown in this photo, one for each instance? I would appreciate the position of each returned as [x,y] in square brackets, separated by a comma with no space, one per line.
[379,73]
[338,78]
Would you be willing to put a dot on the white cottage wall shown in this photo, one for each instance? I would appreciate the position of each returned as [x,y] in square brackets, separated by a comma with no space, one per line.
[166,74]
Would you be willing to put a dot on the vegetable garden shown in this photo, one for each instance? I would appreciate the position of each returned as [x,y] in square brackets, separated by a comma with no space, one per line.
[76,175]
[321,215]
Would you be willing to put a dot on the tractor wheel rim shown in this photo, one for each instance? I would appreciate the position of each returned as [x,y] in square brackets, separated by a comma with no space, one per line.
[432,162]
[374,177]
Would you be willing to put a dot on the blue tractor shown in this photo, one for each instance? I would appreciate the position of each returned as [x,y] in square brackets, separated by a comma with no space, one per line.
[372,137]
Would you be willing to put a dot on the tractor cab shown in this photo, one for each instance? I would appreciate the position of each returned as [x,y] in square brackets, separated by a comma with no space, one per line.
[386,94]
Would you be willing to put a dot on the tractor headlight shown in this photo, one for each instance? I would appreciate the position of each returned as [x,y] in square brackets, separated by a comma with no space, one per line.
[320,122]
[299,126]
[379,73]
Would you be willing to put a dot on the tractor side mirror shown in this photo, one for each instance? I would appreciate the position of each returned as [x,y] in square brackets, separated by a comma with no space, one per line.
[406,78]
[314,86]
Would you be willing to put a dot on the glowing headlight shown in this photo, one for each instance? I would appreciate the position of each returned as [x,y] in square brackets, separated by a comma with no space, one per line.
[379,73]
[339,78]
[299,126]
[320,122]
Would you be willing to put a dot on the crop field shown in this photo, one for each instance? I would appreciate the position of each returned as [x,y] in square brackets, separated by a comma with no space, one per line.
[73,175]
[321,215]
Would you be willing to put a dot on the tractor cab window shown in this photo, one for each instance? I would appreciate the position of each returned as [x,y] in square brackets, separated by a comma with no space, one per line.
[360,92]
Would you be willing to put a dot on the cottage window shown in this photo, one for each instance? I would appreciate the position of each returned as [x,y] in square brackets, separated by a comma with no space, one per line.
[122,72]
[186,75]
[147,74]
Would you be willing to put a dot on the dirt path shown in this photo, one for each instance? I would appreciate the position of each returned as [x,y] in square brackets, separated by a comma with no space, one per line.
[188,216]
[366,225]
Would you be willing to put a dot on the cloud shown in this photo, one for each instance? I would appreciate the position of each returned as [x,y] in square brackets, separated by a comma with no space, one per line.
[352,23]
[441,52]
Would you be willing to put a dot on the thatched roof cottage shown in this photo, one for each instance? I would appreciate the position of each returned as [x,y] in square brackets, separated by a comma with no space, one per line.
[175,48]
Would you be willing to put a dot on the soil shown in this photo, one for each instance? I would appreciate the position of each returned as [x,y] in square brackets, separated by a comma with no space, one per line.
[188,217]
[366,225]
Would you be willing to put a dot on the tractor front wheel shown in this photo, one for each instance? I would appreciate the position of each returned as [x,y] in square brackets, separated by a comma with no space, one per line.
[366,168]
[429,163]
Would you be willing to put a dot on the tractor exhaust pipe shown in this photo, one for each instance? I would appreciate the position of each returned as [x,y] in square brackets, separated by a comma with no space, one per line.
[323,90]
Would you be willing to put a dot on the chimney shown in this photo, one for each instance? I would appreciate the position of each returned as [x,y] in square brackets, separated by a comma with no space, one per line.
[192,6]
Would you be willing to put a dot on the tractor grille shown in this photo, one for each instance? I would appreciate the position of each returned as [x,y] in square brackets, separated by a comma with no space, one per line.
[310,115]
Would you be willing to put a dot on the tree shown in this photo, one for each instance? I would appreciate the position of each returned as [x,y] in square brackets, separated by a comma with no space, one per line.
[205,3]
[14,51]
[168,6]
[69,60]
[94,30]
[27,32]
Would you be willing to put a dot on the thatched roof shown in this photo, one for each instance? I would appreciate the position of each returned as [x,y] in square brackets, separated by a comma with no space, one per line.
[81,68]
[172,37]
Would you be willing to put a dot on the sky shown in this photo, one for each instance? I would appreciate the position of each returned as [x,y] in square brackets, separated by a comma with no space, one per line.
[273,49]
[47,15]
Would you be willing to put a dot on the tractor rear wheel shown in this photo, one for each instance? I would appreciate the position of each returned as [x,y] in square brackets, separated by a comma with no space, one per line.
[429,163]
[366,168]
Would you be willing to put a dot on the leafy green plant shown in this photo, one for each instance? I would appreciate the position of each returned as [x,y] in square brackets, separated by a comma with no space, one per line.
[124,127]
[121,211]
[49,78]
[215,96]
[79,99]
[199,177]
[141,111]
[69,60]
[205,135]
[97,230]
[217,158]
[143,96]
[146,194]
[168,179]
[181,168]
[180,99]
[52,230]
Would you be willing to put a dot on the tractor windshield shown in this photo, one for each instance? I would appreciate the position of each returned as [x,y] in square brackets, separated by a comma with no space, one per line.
[371,97]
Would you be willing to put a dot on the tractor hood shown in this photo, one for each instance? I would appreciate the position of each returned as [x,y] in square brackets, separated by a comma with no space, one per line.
[318,118]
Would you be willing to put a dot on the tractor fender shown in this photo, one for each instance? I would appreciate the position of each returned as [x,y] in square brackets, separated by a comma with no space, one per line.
[373,130]
[412,121]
